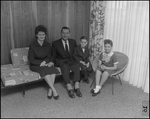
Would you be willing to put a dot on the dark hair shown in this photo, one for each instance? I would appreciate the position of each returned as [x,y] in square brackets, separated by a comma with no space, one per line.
[65,28]
[40,28]
[108,41]
[83,37]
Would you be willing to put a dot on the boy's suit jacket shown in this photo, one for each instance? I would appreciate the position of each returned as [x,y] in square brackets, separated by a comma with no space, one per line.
[58,51]
[80,56]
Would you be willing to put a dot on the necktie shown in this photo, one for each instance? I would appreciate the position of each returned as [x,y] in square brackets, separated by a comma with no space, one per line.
[66,47]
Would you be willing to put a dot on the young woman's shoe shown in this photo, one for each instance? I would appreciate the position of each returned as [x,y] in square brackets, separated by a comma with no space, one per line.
[95,94]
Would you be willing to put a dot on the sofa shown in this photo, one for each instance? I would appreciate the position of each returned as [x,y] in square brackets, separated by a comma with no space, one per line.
[18,73]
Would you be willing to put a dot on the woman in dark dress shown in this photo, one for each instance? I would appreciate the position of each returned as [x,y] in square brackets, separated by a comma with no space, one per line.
[41,60]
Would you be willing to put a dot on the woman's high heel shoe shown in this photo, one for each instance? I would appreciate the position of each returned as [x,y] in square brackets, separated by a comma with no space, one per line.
[49,96]
[56,97]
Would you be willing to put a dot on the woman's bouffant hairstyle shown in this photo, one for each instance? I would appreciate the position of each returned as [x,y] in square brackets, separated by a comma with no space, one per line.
[108,41]
[41,28]
[83,37]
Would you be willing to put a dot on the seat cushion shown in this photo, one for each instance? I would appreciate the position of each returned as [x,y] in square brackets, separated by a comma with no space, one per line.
[15,75]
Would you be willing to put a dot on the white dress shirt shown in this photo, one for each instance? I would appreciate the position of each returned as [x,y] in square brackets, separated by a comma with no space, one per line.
[64,44]
[83,49]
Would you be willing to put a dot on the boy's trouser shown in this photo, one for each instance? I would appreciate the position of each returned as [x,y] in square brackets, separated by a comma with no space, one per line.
[85,70]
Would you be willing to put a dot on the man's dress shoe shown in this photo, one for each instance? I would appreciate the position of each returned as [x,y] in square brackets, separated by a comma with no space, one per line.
[78,92]
[71,93]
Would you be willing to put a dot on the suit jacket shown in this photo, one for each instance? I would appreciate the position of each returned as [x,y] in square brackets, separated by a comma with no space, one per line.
[79,55]
[59,52]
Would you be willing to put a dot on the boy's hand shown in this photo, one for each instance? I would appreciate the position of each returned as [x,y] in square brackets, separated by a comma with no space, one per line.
[88,64]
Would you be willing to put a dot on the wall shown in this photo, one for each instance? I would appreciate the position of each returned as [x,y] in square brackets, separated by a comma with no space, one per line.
[19,18]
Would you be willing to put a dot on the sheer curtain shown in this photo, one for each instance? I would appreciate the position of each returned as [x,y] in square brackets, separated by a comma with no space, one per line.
[127,25]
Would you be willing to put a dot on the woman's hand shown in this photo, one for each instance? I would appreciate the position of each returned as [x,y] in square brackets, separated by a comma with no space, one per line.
[50,64]
[43,64]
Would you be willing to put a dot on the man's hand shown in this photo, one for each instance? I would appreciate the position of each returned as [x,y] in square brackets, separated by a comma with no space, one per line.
[50,64]
[43,64]
[82,62]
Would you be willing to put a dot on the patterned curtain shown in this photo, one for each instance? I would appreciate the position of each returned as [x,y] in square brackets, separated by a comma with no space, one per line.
[97,11]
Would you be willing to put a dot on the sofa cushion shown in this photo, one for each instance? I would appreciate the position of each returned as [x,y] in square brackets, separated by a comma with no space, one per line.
[14,75]
[19,56]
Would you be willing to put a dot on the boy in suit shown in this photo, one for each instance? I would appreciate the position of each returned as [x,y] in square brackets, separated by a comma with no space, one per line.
[82,54]
[62,50]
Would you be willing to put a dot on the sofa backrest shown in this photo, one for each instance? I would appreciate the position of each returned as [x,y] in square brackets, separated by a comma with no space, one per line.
[19,56]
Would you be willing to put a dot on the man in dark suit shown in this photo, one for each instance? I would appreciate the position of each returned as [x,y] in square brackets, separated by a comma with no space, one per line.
[62,50]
